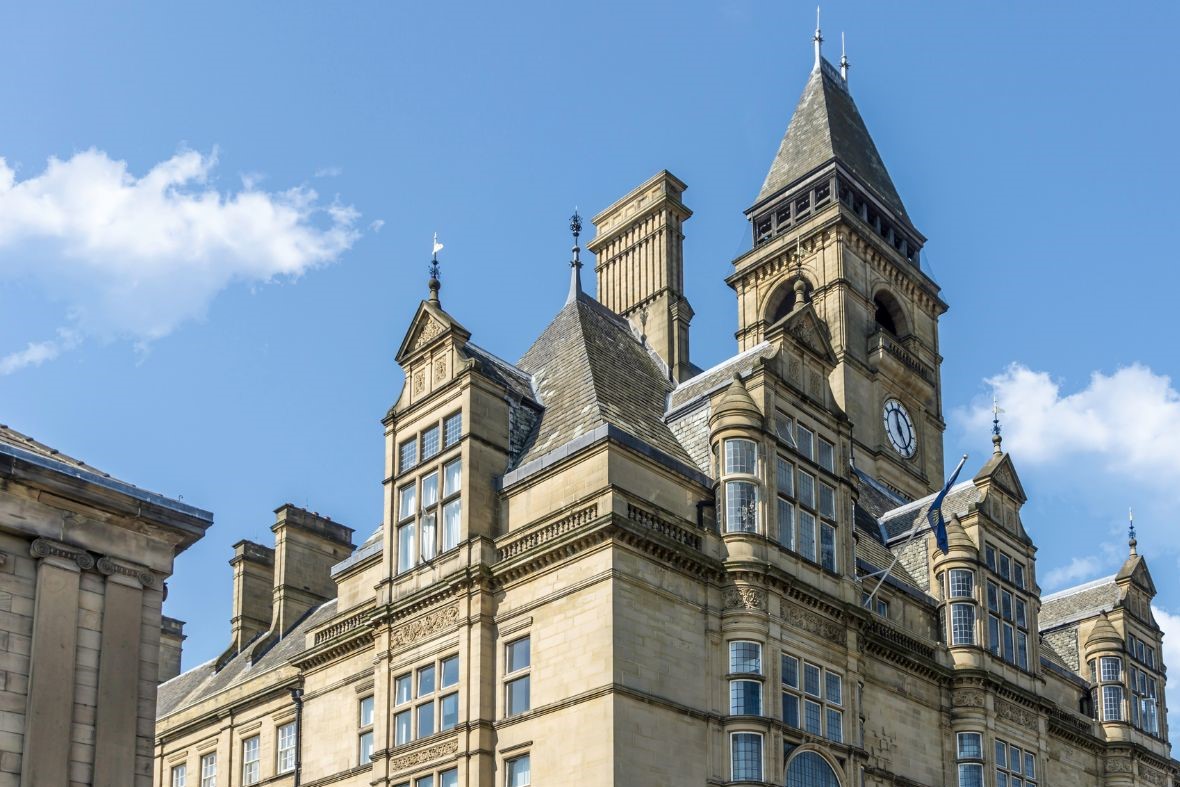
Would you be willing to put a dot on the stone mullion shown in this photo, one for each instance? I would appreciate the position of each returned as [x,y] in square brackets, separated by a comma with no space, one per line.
[117,709]
[52,663]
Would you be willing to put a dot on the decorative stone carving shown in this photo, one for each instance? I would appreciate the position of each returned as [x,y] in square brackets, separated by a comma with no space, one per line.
[419,381]
[809,621]
[1119,765]
[430,753]
[1152,776]
[967,698]
[42,547]
[430,330]
[424,627]
[108,567]
[1016,715]
[440,368]
[745,598]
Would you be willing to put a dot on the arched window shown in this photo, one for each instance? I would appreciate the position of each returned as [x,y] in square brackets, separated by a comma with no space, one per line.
[889,314]
[784,299]
[811,770]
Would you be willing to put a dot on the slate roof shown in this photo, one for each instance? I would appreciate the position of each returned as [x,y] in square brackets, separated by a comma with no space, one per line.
[718,377]
[589,370]
[825,126]
[873,553]
[899,521]
[496,368]
[1076,603]
[203,682]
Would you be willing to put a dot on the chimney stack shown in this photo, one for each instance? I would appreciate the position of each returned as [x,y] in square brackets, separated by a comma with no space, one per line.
[639,246]
[254,572]
[171,641]
[307,545]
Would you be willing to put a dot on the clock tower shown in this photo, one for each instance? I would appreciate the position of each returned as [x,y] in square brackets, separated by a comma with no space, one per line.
[829,217]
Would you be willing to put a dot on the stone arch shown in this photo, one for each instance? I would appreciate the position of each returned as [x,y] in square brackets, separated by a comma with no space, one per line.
[889,313]
[781,300]
[810,768]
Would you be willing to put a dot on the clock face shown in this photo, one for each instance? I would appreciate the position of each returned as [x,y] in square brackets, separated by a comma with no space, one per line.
[899,428]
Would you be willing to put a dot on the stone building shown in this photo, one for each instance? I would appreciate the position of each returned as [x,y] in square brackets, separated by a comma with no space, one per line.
[604,565]
[83,559]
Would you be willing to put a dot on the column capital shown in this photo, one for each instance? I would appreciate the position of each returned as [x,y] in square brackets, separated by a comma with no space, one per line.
[127,573]
[44,548]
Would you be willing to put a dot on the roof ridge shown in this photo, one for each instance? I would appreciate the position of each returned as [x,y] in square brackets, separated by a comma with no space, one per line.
[1079,588]
[916,504]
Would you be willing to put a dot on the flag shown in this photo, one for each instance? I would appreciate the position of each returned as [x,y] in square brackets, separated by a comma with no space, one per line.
[934,515]
[437,246]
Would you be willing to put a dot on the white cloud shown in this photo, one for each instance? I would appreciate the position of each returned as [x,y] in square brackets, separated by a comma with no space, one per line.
[1077,570]
[329,172]
[1126,419]
[1171,627]
[377,225]
[134,257]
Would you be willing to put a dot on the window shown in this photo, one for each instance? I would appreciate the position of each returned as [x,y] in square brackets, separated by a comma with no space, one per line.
[1015,767]
[449,778]
[430,443]
[251,760]
[990,556]
[518,772]
[1018,574]
[179,775]
[452,429]
[209,770]
[424,781]
[1007,626]
[428,523]
[405,547]
[741,507]
[285,752]
[407,455]
[1005,566]
[809,769]
[962,624]
[785,477]
[962,583]
[970,759]
[1144,698]
[827,501]
[805,441]
[786,523]
[1112,668]
[879,605]
[827,547]
[827,455]
[422,703]
[745,658]
[745,698]
[814,704]
[806,489]
[420,511]
[1112,703]
[746,756]
[452,505]
[807,535]
[740,457]
[784,428]
[365,731]
[517,688]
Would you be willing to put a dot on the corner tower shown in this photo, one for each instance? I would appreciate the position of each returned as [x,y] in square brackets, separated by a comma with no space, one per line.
[829,216]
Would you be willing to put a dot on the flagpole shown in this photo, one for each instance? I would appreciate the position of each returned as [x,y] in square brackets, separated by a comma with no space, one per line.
[914,532]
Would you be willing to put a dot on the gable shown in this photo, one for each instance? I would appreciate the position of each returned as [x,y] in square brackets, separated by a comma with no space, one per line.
[429,325]
[1000,471]
[809,332]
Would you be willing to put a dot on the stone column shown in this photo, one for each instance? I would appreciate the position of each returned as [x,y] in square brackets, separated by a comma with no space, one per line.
[118,674]
[52,663]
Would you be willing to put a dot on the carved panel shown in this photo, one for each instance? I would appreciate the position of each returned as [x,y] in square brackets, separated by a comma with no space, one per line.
[440,368]
[967,698]
[419,381]
[809,621]
[424,627]
[429,754]
[1016,715]
[430,330]
[1119,765]
[745,598]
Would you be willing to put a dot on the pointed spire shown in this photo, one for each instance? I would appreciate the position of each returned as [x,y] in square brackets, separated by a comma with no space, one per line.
[997,439]
[844,64]
[576,262]
[818,38]
[1132,541]
[434,284]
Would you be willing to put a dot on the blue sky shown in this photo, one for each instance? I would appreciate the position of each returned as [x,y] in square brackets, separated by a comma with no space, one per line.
[215,222]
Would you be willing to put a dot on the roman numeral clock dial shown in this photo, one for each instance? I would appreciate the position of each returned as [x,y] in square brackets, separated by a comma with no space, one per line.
[899,428]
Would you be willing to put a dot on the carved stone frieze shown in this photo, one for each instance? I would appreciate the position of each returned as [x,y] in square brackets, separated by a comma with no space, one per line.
[429,754]
[1119,765]
[745,598]
[424,627]
[1017,715]
[419,381]
[809,621]
[1152,776]
[440,369]
[967,698]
